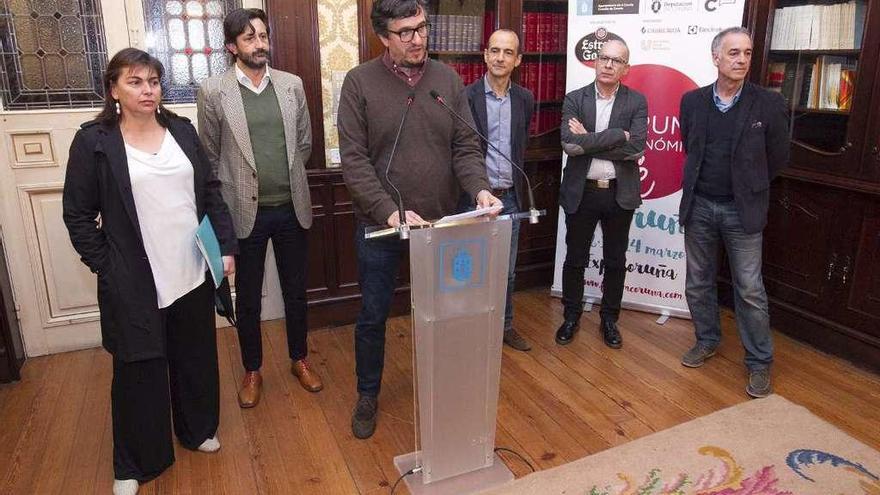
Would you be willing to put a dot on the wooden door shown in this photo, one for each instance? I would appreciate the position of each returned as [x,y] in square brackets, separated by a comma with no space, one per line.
[862,280]
[800,257]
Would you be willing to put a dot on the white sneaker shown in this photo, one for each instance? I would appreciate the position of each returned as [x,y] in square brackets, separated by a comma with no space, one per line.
[210,445]
[125,487]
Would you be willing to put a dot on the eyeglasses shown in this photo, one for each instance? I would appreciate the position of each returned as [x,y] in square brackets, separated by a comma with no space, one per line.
[616,62]
[406,35]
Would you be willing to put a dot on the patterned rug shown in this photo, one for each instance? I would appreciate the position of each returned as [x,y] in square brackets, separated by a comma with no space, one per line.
[761,447]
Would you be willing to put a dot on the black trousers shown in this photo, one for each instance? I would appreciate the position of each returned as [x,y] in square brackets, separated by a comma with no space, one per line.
[290,243]
[598,206]
[146,395]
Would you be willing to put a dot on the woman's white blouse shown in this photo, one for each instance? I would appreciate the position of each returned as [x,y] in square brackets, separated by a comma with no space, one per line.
[162,186]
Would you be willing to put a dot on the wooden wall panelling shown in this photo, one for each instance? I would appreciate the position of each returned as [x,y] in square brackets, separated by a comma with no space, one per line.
[863,299]
[295,48]
[799,256]
[369,44]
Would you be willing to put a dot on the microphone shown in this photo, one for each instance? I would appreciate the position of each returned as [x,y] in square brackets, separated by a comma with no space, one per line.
[404,228]
[533,212]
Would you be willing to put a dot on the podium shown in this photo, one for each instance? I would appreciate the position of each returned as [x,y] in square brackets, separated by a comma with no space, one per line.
[458,287]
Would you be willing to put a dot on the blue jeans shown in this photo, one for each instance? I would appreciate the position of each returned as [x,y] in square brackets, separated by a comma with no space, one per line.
[378,265]
[508,200]
[710,222]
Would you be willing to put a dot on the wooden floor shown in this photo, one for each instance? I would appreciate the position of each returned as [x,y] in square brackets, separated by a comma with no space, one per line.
[557,404]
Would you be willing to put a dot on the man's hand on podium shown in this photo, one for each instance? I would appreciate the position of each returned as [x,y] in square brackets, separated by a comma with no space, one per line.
[486,200]
[412,218]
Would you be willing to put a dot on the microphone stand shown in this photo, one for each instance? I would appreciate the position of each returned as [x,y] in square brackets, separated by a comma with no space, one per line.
[403,229]
[533,212]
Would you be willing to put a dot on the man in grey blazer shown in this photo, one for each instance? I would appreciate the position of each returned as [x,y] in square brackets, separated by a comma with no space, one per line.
[604,126]
[255,127]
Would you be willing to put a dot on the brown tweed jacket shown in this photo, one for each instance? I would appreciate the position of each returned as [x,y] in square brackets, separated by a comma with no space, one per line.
[224,132]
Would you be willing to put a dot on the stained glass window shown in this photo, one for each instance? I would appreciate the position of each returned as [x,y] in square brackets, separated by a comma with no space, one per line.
[53,53]
[187,36]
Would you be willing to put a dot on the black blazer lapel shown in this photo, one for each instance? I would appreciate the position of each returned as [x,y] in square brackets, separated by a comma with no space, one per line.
[111,144]
[517,112]
[704,117]
[620,104]
[746,99]
[588,106]
[479,98]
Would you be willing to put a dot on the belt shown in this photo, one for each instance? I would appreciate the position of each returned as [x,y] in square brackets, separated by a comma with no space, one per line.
[500,192]
[601,183]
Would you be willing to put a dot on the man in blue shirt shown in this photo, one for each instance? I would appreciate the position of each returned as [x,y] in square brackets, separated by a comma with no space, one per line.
[502,111]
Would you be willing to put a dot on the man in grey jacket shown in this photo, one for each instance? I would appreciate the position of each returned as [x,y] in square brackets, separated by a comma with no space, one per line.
[254,124]
[604,126]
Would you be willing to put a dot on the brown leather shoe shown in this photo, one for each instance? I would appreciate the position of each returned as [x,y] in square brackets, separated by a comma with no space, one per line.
[307,378]
[251,388]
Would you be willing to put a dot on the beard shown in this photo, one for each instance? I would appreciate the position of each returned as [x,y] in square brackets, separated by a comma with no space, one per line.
[410,62]
[251,61]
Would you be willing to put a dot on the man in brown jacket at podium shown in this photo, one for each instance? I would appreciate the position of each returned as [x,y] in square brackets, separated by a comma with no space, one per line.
[435,158]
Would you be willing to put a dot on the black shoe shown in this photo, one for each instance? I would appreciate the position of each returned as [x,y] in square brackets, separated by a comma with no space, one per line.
[610,334]
[363,419]
[566,332]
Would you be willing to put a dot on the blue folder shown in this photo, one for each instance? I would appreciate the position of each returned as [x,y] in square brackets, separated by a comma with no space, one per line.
[206,239]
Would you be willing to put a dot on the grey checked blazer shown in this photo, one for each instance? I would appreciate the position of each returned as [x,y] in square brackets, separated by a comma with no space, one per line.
[224,132]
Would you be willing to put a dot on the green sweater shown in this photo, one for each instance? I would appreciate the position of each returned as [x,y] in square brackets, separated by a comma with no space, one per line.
[266,128]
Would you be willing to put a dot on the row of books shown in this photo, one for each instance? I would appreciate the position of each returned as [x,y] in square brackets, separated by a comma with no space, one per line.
[544,31]
[457,33]
[468,71]
[546,80]
[819,27]
[544,120]
[825,84]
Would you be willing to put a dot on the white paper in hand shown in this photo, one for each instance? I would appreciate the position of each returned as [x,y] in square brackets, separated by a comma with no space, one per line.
[469,214]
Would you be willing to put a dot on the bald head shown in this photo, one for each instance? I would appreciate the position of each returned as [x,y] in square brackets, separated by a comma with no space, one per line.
[506,37]
[502,56]
[618,47]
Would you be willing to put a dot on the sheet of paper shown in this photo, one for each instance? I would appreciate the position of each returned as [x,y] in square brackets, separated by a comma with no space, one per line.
[468,214]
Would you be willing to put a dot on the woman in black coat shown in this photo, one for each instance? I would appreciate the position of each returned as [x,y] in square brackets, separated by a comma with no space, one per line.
[138,183]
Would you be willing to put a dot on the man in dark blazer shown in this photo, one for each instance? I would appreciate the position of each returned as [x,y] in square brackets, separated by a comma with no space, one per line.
[736,138]
[502,111]
[604,126]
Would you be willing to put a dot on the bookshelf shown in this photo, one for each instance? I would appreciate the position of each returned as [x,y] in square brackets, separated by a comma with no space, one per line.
[459,31]
[813,60]
[543,28]
[822,239]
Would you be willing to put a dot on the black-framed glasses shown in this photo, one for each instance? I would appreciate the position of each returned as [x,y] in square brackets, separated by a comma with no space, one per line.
[616,62]
[406,35]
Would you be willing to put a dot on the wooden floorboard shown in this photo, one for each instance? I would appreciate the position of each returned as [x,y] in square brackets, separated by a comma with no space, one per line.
[556,404]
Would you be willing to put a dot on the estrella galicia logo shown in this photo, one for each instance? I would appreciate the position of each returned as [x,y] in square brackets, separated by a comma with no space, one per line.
[462,266]
[655,6]
[587,48]
[692,30]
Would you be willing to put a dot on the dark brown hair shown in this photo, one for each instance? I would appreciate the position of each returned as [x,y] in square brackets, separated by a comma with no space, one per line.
[239,20]
[123,60]
[385,11]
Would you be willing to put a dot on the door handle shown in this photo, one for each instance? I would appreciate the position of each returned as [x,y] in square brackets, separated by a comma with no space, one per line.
[831,266]
[845,269]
